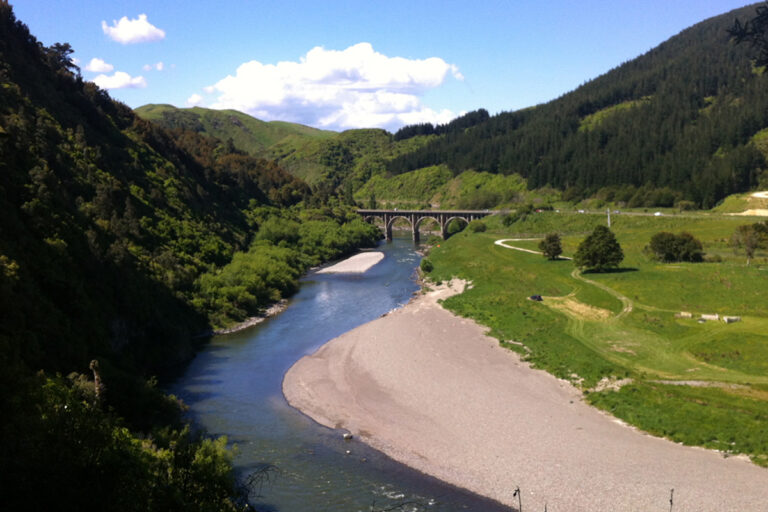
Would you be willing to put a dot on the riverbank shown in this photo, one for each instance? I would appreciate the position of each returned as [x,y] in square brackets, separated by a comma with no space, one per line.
[356,264]
[433,391]
[271,311]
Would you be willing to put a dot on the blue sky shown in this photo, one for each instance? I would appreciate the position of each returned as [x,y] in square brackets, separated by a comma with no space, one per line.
[343,64]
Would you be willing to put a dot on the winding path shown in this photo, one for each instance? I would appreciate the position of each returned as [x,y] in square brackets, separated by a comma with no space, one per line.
[626,301]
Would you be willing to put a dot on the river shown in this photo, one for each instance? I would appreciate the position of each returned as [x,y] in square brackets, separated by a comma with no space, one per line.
[234,388]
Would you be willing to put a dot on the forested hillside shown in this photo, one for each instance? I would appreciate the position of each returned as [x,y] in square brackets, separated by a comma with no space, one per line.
[120,243]
[678,122]
[328,160]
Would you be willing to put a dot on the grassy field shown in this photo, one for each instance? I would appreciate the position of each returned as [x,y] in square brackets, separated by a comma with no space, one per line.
[703,384]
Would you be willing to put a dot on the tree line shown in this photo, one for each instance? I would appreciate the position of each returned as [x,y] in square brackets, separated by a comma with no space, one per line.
[121,241]
[676,123]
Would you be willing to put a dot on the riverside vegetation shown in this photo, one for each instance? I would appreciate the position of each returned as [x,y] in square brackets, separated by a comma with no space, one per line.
[122,239]
[703,384]
[120,242]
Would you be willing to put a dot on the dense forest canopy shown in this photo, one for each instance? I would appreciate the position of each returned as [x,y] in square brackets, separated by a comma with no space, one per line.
[675,123]
[121,242]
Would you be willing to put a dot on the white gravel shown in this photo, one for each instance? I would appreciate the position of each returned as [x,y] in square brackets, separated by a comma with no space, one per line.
[433,391]
[357,264]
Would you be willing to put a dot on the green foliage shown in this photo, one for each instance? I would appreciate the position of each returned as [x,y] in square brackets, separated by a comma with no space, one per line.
[87,458]
[720,419]
[247,133]
[414,188]
[647,344]
[426,265]
[755,32]
[750,238]
[455,226]
[477,226]
[437,185]
[674,124]
[285,245]
[123,241]
[668,247]
[594,120]
[599,251]
[551,246]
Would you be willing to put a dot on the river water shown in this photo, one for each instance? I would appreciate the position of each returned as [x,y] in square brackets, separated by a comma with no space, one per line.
[234,388]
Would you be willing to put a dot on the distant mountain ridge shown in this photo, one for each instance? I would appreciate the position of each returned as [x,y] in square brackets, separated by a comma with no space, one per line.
[682,121]
[688,120]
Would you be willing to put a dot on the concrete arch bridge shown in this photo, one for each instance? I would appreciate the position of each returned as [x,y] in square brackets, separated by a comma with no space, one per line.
[416,217]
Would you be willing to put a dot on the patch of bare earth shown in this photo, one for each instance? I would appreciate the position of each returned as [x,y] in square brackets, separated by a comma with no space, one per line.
[575,308]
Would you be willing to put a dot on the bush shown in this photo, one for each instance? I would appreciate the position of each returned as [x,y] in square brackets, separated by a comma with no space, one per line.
[668,247]
[477,226]
[426,265]
[455,226]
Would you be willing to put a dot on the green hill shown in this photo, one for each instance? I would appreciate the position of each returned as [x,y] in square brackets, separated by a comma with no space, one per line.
[247,133]
[121,244]
[320,157]
[681,122]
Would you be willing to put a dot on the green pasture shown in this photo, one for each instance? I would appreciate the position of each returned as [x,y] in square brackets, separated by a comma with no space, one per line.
[623,324]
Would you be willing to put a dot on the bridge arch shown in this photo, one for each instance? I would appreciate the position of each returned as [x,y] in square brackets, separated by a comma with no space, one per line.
[416,234]
[448,222]
[391,222]
[416,217]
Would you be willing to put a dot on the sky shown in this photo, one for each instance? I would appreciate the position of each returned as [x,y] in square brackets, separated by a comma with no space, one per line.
[355,64]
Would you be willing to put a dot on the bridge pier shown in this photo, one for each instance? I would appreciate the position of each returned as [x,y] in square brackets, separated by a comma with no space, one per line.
[415,217]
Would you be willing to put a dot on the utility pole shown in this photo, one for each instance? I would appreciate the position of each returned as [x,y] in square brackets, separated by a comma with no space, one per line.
[608,210]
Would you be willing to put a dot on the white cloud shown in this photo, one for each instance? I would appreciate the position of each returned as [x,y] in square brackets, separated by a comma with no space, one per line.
[194,100]
[356,87]
[99,66]
[128,31]
[159,66]
[120,80]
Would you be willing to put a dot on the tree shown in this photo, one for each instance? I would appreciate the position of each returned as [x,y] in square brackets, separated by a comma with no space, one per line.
[750,237]
[755,32]
[689,248]
[599,251]
[551,246]
[668,247]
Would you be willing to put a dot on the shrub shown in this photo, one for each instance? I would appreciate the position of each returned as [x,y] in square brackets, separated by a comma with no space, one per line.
[668,247]
[455,226]
[426,265]
[477,226]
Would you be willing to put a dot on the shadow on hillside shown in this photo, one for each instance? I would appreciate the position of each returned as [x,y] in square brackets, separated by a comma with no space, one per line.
[611,270]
